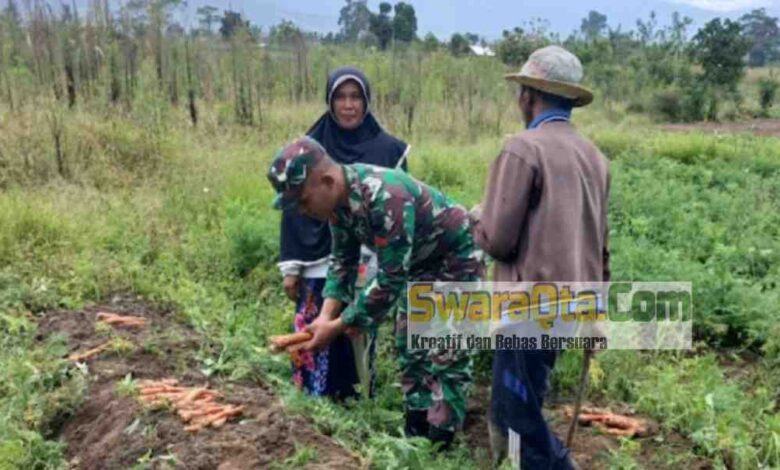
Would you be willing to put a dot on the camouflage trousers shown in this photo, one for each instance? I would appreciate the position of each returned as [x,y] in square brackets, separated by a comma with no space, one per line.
[438,380]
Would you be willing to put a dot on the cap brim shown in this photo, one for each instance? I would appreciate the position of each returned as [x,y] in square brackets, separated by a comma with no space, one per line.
[580,95]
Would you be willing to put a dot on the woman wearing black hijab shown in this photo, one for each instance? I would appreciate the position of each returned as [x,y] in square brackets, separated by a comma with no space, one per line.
[350,134]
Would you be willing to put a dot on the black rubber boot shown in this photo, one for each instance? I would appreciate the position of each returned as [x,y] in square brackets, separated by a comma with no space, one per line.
[442,437]
[416,423]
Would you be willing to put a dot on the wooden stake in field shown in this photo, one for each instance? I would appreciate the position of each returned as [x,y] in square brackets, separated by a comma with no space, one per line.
[588,354]
[190,84]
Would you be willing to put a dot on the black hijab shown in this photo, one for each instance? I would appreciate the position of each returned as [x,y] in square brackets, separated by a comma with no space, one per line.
[368,143]
[307,239]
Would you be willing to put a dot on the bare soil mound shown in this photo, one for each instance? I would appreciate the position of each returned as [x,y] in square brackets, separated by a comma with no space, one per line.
[113,430]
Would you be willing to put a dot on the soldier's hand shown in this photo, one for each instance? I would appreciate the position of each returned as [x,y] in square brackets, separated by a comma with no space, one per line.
[324,331]
[291,284]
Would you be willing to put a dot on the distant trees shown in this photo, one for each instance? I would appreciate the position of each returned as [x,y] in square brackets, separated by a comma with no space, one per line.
[593,26]
[720,48]
[141,49]
[357,22]
[381,25]
[285,33]
[208,16]
[404,22]
[231,22]
[430,42]
[459,45]
[516,45]
[763,33]
[354,18]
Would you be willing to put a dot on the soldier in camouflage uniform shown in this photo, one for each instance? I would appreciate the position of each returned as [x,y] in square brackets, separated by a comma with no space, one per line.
[418,234]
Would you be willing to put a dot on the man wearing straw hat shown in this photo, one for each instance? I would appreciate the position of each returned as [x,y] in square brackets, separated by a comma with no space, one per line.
[543,218]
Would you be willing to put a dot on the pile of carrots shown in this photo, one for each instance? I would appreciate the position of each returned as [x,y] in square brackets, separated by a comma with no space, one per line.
[613,424]
[194,405]
[291,344]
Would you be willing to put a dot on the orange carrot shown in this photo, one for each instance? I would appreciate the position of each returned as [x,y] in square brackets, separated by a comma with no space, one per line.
[189,397]
[89,353]
[120,320]
[282,342]
[189,415]
[223,415]
[160,389]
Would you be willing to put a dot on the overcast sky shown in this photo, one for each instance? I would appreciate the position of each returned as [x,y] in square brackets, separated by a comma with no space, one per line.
[486,17]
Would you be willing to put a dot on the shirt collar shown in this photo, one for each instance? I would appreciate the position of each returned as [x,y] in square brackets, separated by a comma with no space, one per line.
[550,115]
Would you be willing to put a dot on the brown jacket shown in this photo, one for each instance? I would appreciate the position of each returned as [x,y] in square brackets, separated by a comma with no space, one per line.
[544,214]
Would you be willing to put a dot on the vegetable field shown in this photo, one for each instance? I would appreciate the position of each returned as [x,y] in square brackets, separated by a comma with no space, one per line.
[133,207]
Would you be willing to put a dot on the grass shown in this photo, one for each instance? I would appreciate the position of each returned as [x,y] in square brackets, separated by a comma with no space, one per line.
[182,217]
[37,387]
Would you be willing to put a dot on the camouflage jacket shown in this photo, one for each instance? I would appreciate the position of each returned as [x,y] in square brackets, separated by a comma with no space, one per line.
[417,232]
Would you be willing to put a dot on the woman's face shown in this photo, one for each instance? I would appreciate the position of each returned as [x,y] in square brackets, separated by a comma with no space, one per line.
[349,105]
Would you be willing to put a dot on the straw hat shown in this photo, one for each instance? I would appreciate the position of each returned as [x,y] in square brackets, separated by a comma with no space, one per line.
[554,70]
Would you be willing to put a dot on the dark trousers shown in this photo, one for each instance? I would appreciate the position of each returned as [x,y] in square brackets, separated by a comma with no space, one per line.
[517,427]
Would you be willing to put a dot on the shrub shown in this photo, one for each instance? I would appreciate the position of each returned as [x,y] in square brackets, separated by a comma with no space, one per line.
[250,235]
[636,105]
[694,103]
[669,104]
[767,93]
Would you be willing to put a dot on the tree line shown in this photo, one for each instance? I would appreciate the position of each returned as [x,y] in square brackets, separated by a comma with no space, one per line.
[104,53]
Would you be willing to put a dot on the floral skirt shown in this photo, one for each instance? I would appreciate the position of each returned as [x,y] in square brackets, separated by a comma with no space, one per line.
[330,372]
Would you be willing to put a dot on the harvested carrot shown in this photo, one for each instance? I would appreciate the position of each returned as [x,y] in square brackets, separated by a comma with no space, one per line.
[161,382]
[297,360]
[188,415]
[295,348]
[205,416]
[229,412]
[189,397]
[161,389]
[158,383]
[614,424]
[76,357]
[282,342]
[114,319]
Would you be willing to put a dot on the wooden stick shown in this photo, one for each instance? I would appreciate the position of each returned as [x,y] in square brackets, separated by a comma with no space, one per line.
[588,354]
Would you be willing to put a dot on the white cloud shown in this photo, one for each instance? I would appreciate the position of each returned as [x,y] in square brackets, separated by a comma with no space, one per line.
[727,5]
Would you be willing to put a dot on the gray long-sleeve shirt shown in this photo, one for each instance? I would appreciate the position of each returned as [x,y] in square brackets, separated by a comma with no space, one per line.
[544,212]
